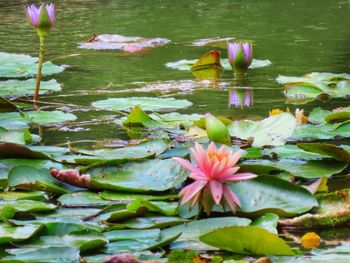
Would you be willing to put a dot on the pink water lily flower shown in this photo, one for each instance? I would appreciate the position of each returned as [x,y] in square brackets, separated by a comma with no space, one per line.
[35,14]
[214,169]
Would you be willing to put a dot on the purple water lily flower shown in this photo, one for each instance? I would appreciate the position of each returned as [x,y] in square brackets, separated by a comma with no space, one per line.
[37,15]
[240,55]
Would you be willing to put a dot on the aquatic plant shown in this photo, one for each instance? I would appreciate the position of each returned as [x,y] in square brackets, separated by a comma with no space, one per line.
[216,130]
[240,55]
[42,19]
[215,168]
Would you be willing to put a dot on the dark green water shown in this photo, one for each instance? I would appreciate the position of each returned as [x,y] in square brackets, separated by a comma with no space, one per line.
[297,36]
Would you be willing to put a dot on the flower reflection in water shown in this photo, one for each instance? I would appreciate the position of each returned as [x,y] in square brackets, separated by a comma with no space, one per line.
[240,97]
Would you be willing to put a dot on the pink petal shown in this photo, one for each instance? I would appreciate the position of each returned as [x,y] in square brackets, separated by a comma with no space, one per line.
[231,198]
[216,190]
[234,158]
[196,176]
[212,147]
[194,200]
[240,177]
[188,166]
[228,172]
[191,190]
[217,169]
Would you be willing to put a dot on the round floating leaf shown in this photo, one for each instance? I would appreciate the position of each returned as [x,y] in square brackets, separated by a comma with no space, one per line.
[39,117]
[83,199]
[269,221]
[247,240]
[145,103]
[24,66]
[186,64]
[152,175]
[59,254]
[334,151]
[15,88]
[274,130]
[191,231]
[267,193]
[9,234]
[13,150]
[31,178]
[28,206]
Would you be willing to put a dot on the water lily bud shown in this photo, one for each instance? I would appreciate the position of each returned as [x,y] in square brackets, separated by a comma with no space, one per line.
[216,130]
[240,55]
[42,18]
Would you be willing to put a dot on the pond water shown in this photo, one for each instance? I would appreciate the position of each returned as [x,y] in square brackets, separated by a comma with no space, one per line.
[298,37]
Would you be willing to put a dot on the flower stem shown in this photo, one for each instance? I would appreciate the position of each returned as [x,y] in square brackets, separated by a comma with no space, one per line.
[40,66]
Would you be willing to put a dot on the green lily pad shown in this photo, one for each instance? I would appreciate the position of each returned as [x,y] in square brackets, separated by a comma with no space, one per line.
[130,245]
[269,221]
[298,168]
[293,152]
[14,196]
[83,199]
[145,103]
[9,234]
[16,88]
[249,240]
[333,211]
[39,117]
[334,151]
[130,234]
[191,231]
[16,137]
[39,179]
[151,175]
[299,90]
[274,130]
[129,197]
[186,64]
[24,66]
[151,222]
[143,150]
[270,194]
[13,150]
[43,255]
[28,206]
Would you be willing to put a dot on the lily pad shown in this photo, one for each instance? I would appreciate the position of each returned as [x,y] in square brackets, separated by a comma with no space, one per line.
[247,240]
[298,168]
[24,66]
[191,231]
[152,175]
[274,130]
[16,88]
[39,117]
[299,90]
[333,211]
[14,196]
[13,150]
[28,206]
[269,221]
[39,179]
[9,234]
[119,42]
[145,103]
[151,222]
[43,255]
[83,199]
[271,194]
[129,197]
[186,64]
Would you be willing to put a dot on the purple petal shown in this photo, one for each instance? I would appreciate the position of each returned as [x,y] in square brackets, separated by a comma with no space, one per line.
[247,49]
[33,14]
[232,49]
[247,99]
[50,8]
[234,99]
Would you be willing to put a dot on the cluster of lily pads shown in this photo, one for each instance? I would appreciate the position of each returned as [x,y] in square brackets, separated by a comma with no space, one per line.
[126,198]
